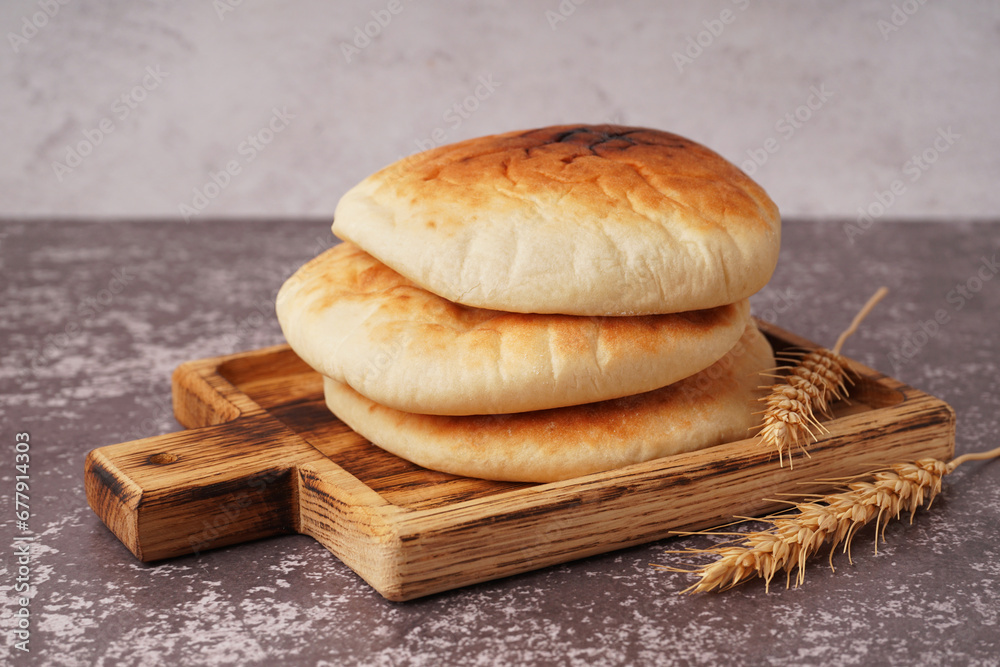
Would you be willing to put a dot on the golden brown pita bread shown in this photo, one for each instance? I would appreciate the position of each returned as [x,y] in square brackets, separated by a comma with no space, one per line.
[573,219]
[359,322]
[709,408]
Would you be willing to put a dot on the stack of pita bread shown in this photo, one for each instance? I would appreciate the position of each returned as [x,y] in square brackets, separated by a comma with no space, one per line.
[538,305]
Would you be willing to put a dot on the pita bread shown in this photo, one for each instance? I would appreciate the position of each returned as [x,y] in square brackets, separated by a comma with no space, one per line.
[709,408]
[359,322]
[578,220]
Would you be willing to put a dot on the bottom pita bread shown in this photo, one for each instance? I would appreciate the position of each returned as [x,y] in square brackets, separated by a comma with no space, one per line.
[708,408]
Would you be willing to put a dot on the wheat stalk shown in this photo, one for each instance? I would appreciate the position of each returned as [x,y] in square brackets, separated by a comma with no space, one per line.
[811,384]
[834,518]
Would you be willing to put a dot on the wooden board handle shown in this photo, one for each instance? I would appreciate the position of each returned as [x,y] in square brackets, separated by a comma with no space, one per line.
[199,489]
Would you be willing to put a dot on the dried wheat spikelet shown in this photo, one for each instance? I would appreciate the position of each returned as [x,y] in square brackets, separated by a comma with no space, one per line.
[810,384]
[832,519]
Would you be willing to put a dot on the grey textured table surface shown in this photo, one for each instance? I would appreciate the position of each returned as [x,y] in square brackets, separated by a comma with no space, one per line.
[95,316]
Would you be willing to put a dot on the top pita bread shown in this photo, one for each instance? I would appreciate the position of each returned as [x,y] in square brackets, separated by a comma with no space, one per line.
[359,322]
[579,220]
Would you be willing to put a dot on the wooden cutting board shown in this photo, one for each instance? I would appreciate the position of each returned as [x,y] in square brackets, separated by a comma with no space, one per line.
[264,456]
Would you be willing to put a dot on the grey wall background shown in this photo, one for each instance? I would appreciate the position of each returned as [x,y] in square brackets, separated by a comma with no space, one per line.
[135,109]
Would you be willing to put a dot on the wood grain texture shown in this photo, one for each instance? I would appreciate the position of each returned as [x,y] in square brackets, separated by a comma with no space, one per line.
[264,456]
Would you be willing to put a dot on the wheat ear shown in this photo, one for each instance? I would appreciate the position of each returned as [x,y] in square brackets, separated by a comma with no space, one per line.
[813,381]
[834,518]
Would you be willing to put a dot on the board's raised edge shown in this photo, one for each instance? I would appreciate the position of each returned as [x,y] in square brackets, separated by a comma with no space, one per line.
[202,396]
[353,522]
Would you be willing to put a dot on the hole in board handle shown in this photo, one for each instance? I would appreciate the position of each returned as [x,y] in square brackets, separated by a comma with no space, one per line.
[162,458]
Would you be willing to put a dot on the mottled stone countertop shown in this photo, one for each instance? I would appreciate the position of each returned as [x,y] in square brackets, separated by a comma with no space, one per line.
[95,316]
